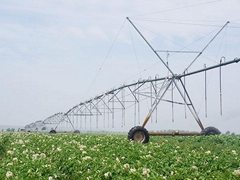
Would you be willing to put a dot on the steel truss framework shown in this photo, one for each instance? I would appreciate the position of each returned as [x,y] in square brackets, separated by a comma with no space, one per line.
[122,98]
[52,122]
[106,105]
[118,100]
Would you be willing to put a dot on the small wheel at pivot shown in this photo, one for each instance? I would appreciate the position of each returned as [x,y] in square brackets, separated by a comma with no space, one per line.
[210,131]
[76,131]
[139,134]
[53,131]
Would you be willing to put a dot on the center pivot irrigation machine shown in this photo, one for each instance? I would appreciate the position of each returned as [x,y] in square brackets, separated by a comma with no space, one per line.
[106,105]
[139,133]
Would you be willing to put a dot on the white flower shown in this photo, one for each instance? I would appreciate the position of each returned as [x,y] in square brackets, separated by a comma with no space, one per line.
[25,151]
[195,167]
[107,174]
[208,152]
[126,166]
[81,147]
[132,170]
[9,164]
[15,159]
[117,160]
[47,165]
[34,156]
[87,158]
[10,152]
[50,178]
[146,171]
[234,152]
[236,172]
[59,149]
[43,155]
[148,156]
[9,174]
[179,159]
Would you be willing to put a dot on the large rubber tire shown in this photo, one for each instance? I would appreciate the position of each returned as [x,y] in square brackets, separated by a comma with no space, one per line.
[139,134]
[76,131]
[53,131]
[210,131]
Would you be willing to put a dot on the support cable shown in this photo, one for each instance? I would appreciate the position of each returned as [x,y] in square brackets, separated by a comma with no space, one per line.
[206,46]
[184,96]
[172,104]
[224,36]
[105,59]
[90,115]
[151,95]
[104,115]
[108,112]
[149,45]
[97,117]
[183,47]
[178,8]
[113,111]
[156,96]
[135,53]
[135,108]
[81,122]
[205,84]
[220,84]
[139,106]
[85,120]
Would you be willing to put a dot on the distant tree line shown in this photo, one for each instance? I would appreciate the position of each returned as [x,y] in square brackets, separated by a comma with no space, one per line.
[229,133]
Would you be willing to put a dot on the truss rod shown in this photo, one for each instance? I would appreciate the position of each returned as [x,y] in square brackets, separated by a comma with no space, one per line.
[206,46]
[156,102]
[193,111]
[150,45]
[236,60]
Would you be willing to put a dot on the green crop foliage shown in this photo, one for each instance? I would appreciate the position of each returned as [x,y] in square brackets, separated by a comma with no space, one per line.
[94,156]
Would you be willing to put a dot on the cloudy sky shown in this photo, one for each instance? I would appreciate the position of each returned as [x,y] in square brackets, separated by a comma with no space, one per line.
[56,54]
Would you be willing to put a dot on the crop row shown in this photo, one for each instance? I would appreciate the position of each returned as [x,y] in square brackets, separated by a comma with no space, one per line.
[93,156]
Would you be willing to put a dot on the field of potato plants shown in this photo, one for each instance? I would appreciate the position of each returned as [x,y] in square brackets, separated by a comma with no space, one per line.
[99,156]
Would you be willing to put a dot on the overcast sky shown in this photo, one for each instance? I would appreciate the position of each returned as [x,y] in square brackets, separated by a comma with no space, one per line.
[56,54]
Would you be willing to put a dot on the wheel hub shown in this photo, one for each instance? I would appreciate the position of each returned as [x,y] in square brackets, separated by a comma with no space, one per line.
[138,136]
